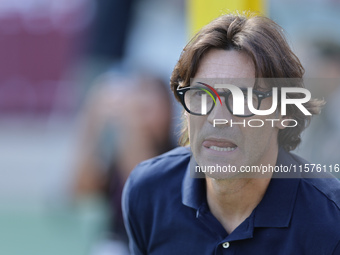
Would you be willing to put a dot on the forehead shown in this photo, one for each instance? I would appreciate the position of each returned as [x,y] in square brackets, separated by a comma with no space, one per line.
[219,63]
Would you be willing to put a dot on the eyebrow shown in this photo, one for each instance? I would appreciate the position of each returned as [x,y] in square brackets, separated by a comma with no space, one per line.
[211,86]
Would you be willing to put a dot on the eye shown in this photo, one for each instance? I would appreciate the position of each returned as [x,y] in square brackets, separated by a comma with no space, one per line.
[245,96]
[198,93]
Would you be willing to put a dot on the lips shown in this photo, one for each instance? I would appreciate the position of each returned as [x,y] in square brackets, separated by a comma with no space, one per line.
[219,144]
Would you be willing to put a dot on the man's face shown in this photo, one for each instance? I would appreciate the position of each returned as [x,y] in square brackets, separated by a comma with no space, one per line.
[224,145]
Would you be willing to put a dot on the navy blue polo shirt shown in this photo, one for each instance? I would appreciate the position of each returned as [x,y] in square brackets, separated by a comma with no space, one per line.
[166,212]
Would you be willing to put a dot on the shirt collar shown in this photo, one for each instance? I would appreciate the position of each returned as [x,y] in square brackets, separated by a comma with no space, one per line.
[274,210]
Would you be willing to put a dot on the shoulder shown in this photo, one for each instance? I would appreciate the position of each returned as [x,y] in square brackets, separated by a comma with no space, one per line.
[156,174]
[318,204]
[323,191]
[323,185]
[161,166]
[317,208]
[150,188]
[317,213]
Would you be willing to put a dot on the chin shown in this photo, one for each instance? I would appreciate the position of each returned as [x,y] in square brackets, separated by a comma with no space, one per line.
[223,176]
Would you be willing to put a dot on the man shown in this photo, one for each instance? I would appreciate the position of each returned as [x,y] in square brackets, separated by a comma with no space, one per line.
[234,211]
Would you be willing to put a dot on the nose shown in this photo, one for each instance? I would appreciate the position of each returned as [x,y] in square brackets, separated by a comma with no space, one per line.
[220,112]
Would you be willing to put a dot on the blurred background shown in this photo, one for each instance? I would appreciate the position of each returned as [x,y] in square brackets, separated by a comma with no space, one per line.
[84,97]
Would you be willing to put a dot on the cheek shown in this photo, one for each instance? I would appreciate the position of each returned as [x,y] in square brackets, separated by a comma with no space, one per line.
[257,138]
[195,124]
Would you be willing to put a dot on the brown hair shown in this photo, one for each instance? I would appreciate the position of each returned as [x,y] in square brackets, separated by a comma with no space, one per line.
[264,42]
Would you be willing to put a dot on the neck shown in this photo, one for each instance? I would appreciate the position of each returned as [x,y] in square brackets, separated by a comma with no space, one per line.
[231,201]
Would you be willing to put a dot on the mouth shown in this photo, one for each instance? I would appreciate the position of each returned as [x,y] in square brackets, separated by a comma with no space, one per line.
[216,148]
[220,145]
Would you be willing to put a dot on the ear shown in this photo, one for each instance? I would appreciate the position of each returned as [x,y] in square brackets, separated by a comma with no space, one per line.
[186,116]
